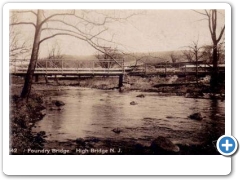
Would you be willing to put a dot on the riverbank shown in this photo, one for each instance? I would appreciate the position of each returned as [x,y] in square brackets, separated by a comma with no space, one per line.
[23,116]
[162,85]
[98,146]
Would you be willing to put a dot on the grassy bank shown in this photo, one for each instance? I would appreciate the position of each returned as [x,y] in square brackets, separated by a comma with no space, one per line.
[23,115]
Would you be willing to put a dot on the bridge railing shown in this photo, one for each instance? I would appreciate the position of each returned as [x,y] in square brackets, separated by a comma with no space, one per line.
[61,66]
[180,68]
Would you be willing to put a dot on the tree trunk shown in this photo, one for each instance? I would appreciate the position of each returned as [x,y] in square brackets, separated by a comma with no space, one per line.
[214,77]
[214,83]
[34,56]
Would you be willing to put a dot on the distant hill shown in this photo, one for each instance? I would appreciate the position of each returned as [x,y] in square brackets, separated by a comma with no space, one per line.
[80,58]
[154,57]
[131,58]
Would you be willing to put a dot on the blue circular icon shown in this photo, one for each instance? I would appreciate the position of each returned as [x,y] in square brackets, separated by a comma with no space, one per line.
[227,145]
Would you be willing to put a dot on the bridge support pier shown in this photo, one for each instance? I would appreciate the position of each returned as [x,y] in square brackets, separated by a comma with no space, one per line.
[120,84]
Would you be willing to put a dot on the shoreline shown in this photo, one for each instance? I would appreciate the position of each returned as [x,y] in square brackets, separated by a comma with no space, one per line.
[135,83]
[99,146]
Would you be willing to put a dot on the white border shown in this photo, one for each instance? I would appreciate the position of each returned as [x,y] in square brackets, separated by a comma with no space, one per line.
[114,165]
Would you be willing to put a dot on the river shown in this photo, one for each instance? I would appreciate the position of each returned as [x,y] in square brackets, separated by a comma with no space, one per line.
[95,113]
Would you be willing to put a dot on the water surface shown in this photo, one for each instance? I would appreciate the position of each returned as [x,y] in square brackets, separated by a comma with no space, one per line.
[94,113]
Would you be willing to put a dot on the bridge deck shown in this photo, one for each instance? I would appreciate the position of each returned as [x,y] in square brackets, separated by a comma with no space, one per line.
[70,73]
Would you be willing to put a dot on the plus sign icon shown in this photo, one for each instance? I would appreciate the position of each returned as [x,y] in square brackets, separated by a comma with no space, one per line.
[227,145]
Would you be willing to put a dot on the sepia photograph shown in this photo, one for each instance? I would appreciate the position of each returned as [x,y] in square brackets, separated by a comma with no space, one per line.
[116,81]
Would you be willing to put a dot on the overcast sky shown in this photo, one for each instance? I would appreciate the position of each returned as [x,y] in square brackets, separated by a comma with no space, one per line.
[148,31]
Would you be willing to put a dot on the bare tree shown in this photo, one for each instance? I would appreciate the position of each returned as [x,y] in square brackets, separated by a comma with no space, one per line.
[173,57]
[81,24]
[196,53]
[55,52]
[212,19]
[18,47]
[188,55]
[109,57]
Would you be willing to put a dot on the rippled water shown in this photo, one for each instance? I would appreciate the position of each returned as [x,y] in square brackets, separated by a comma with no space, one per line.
[94,113]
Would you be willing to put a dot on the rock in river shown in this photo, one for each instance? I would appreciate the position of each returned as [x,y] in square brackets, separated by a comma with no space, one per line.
[80,141]
[141,96]
[163,144]
[133,103]
[117,130]
[196,116]
[58,103]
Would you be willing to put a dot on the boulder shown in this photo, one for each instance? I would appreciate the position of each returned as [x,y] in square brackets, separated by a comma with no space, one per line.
[141,96]
[163,144]
[58,103]
[196,116]
[117,130]
[133,103]
[92,139]
[80,141]
[42,133]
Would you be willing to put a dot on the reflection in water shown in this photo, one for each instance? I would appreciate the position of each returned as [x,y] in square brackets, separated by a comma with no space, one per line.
[91,112]
[217,115]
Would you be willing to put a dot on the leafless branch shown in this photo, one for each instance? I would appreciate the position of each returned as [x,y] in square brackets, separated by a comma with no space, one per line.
[205,14]
[54,15]
[59,29]
[220,36]
[95,46]
[70,25]
[16,46]
[23,23]
[27,11]
[60,34]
